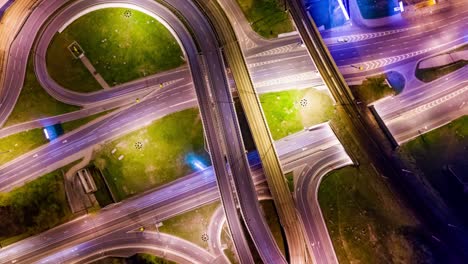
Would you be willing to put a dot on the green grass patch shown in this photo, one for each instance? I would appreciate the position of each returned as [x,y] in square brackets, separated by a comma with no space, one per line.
[441,146]
[285,115]
[33,208]
[431,74]
[267,17]
[372,89]
[67,70]
[191,225]
[165,145]
[34,102]
[365,221]
[271,216]
[18,144]
[121,48]
[432,152]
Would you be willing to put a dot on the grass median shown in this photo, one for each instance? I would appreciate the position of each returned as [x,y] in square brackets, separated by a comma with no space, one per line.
[372,89]
[288,112]
[122,44]
[154,155]
[434,73]
[267,17]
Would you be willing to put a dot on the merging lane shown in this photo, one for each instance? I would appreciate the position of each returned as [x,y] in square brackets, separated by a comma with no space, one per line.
[179,196]
[425,107]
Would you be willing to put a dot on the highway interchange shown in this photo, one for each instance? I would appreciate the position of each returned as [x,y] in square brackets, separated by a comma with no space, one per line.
[265,59]
[183,195]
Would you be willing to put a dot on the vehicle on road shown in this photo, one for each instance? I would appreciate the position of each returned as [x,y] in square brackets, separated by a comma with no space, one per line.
[343,40]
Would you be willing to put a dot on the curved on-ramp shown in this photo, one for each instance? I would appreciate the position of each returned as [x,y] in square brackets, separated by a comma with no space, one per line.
[203,76]
[220,123]
[126,244]
[319,241]
[65,17]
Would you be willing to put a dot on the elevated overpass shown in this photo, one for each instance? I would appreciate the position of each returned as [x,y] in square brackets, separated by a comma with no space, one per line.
[263,140]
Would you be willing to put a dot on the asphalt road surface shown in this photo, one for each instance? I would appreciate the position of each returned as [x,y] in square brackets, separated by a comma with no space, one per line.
[425,113]
[267,61]
[179,196]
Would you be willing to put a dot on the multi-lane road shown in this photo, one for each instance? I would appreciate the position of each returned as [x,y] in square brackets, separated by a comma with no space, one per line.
[311,154]
[217,110]
[74,238]
[266,61]
[421,114]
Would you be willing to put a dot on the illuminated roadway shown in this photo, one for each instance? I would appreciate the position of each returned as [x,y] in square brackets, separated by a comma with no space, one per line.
[208,116]
[422,114]
[263,141]
[169,200]
[26,168]
[127,244]
[147,111]
[65,96]
[222,101]
[319,155]
[43,75]
[195,103]
[340,92]
[360,47]
[223,113]
[364,135]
